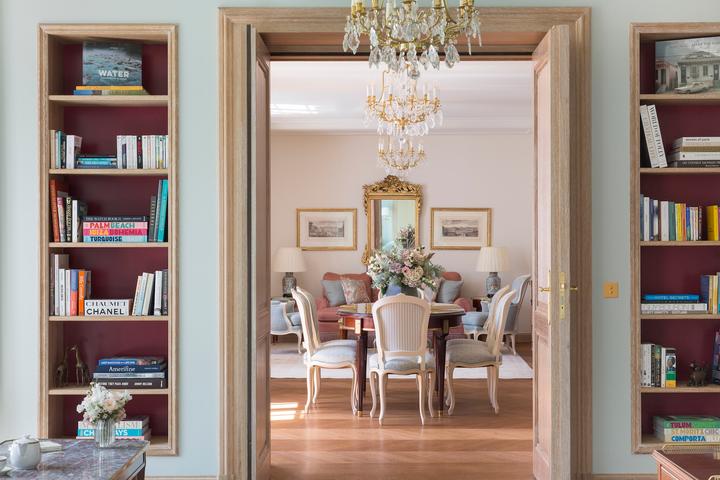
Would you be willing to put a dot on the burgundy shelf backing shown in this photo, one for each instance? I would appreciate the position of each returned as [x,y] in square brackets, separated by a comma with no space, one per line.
[647,67]
[694,190]
[677,270]
[154,75]
[661,404]
[156,406]
[687,121]
[100,126]
[115,272]
[691,338]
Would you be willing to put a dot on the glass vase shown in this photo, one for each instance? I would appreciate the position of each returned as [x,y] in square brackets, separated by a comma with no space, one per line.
[105,433]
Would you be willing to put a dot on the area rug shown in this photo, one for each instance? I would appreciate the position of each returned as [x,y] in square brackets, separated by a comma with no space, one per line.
[286,362]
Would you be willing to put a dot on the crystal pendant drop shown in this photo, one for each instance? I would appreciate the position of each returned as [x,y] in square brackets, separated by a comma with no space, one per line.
[433,56]
[375,57]
[373,38]
[424,60]
[353,41]
[451,55]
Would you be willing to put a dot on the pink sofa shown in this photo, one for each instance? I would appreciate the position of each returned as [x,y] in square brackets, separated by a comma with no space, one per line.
[327,315]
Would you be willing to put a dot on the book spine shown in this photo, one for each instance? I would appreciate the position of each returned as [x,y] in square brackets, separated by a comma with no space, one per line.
[651,297]
[151,227]
[75,221]
[147,297]
[655,220]
[68,290]
[73,292]
[120,362]
[127,218]
[126,375]
[69,148]
[81,293]
[139,146]
[649,140]
[696,307]
[120,369]
[656,352]
[697,142]
[154,233]
[136,299]
[162,219]
[646,219]
[99,232]
[119,432]
[664,221]
[682,156]
[115,239]
[157,296]
[670,362]
[657,135]
[165,288]
[132,382]
[68,219]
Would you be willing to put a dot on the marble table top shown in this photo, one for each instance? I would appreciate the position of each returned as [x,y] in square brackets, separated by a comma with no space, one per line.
[81,459]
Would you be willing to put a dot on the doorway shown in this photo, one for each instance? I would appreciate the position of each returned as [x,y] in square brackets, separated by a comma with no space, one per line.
[510,33]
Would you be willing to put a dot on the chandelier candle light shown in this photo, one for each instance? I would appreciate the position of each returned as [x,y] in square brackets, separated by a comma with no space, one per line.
[410,34]
[401,110]
[399,155]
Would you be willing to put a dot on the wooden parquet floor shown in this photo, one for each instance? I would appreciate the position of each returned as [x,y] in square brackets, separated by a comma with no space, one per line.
[331,444]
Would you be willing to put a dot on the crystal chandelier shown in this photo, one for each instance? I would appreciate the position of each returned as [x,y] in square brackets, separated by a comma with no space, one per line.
[410,34]
[400,110]
[399,155]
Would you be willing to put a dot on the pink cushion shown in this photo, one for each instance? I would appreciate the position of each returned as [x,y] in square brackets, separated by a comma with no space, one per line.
[355,276]
[356,291]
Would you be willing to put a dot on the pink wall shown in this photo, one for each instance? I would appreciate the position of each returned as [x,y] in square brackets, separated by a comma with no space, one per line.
[319,171]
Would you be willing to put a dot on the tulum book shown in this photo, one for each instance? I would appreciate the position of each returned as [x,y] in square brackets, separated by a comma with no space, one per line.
[686,421]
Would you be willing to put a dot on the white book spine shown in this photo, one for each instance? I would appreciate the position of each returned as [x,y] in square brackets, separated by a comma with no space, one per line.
[657,134]
[681,156]
[646,219]
[697,142]
[118,150]
[148,293]
[141,297]
[157,306]
[68,283]
[650,307]
[69,150]
[664,221]
[656,220]
[73,233]
[136,297]
[647,131]
[61,291]
[663,370]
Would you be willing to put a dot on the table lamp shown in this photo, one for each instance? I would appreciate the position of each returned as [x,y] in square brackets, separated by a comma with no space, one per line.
[288,260]
[492,260]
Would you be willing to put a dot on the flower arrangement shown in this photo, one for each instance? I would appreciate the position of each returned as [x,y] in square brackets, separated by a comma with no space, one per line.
[403,264]
[103,404]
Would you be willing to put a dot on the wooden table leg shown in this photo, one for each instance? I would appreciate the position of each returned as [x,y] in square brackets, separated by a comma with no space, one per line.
[361,366]
[439,340]
[342,333]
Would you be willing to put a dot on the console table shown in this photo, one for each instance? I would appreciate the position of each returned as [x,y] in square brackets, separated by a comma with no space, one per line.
[82,459]
[686,466]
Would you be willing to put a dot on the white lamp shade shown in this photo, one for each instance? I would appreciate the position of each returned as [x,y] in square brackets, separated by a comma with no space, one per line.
[289,259]
[492,259]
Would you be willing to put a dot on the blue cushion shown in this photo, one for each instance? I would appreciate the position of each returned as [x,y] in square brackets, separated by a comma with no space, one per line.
[295,319]
[475,319]
[334,292]
[449,291]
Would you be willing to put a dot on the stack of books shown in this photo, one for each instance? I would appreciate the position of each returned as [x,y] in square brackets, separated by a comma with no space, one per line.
[665,304]
[132,428]
[662,220]
[159,213]
[122,229]
[652,138]
[151,294]
[142,151]
[69,288]
[111,68]
[131,372]
[700,429]
[658,366]
[64,150]
[709,294]
[66,213]
[690,152]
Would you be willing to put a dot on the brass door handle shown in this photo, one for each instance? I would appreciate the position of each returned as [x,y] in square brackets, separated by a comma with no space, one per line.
[563,286]
[544,289]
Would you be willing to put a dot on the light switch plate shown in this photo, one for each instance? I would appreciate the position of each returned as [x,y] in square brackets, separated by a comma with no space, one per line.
[610,289]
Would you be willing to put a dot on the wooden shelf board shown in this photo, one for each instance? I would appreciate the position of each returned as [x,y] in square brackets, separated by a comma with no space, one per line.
[682,388]
[650,443]
[82,390]
[119,172]
[131,318]
[681,243]
[680,171]
[109,245]
[109,100]
[685,316]
[709,98]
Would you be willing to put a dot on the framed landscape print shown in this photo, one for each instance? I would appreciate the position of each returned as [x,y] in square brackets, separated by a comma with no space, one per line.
[327,228]
[460,228]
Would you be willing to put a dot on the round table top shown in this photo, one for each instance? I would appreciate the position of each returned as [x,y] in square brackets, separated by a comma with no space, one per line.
[437,310]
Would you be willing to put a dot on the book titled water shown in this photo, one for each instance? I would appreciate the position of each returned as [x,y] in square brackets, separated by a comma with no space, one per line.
[112,63]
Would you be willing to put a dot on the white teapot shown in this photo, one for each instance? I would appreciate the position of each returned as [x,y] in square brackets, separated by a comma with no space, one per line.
[25,453]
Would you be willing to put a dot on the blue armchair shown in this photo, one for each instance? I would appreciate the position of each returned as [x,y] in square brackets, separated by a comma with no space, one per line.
[282,323]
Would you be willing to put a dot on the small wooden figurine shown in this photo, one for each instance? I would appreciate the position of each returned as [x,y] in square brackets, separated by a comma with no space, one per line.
[82,375]
[698,373]
[61,374]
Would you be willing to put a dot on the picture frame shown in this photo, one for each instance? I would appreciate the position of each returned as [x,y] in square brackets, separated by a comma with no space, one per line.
[326,228]
[460,228]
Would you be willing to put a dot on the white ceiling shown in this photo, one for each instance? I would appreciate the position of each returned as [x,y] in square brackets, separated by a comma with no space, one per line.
[329,97]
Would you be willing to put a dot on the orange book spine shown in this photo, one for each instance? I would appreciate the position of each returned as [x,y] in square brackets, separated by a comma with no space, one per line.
[81,293]
[54,211]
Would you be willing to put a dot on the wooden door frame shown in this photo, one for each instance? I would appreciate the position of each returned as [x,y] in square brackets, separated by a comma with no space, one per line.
[288,30]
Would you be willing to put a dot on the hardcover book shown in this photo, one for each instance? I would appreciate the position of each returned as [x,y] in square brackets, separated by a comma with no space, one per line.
[687,66]
[107,308]
[112,64]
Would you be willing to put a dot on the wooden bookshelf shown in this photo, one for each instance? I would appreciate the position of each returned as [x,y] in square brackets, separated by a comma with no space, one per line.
[98,119]
[670,267]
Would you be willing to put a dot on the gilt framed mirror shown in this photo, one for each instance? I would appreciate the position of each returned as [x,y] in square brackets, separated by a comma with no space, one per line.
[390,205]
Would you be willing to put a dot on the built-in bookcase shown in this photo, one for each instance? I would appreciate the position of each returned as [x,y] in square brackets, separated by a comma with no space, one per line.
[115,267]
[670,267]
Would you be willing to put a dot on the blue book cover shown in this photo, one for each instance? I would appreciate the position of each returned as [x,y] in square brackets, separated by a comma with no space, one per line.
[74,281]
[112,64]
[131,361]
[119,432]
[160,367]
[683,297]
[688,226]
[705,288]
[162,218]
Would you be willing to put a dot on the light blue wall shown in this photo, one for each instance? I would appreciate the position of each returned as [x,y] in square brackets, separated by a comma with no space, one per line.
[198,210]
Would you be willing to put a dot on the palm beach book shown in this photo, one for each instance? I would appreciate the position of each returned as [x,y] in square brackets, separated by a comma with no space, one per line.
[112,64]
[129,229]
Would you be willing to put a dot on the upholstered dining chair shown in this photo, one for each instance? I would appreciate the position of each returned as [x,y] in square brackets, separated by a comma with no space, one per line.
[335,354]
[401,325]
[475,324]
[481,354]
[520,285]
[282,323]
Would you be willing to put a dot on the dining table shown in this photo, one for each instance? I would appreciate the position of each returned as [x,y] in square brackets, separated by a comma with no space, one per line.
[358,319]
